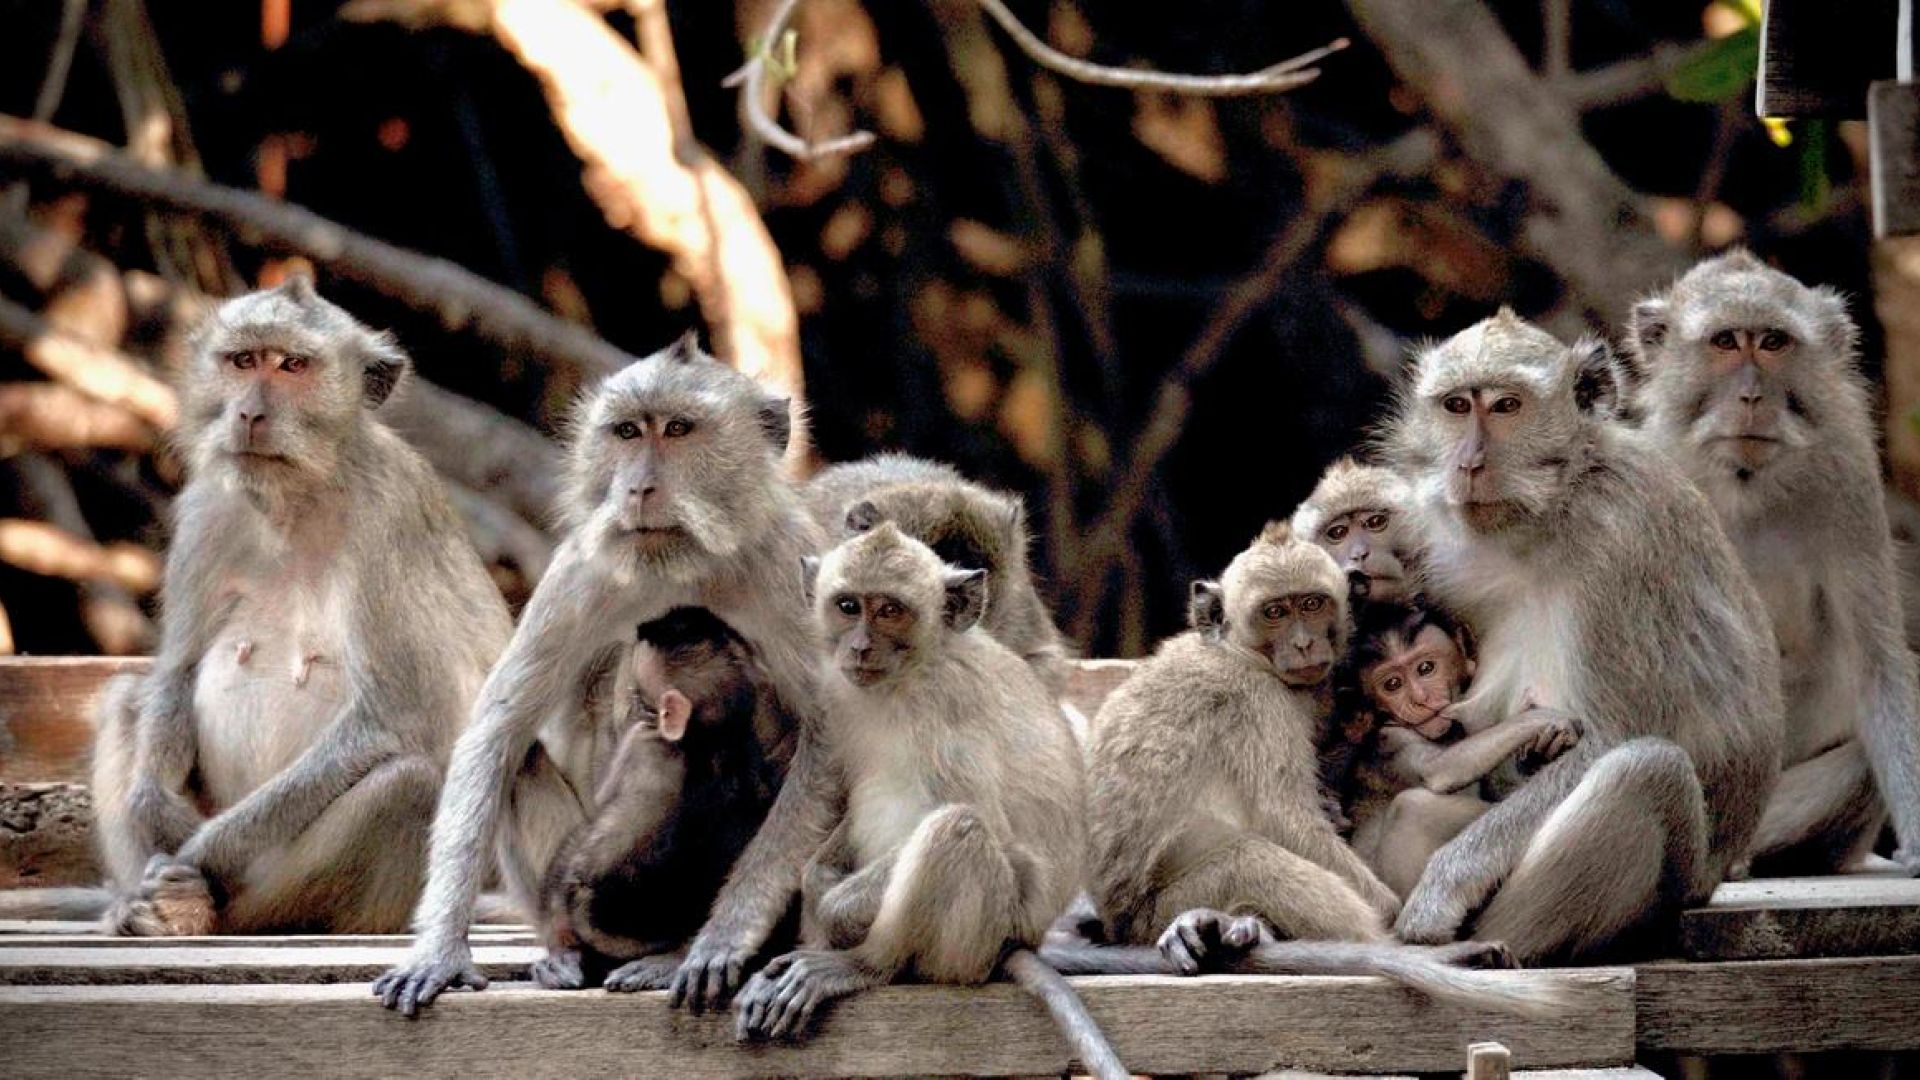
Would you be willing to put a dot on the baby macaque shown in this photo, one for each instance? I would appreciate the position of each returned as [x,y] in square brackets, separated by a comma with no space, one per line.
[1417,780]
[698,762]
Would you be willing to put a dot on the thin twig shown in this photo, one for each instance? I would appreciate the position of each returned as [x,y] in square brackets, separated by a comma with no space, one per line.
[1557,26]
[752,80]
[53,87]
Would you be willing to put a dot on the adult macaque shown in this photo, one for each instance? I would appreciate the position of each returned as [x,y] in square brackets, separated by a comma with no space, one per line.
[674,499]
[967,525]
[1419,780]
[1354,513]
[326,628]
[1751,386]
[1597,579]
[962,835]
[702,754]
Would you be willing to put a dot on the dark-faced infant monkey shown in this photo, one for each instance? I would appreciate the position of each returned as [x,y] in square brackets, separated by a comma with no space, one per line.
[700,759]
[1597,580]
[962,830]
[1751,385]
[326,628]
[1419,779]
[966,524]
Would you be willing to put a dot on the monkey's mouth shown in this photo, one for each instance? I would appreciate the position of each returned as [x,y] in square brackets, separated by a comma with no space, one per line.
[1433,727]
[863,675]
[1306,674]
[655,536]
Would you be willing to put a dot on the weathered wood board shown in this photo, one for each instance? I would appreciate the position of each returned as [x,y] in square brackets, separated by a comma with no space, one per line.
[1158,1025]
[46,714]
[1768,1006]
[62,936]
[1785,918]
[229,964]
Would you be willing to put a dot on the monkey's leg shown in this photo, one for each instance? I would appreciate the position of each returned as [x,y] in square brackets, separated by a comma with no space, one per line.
[1823,814]
[542,811]
[136,816]
[1295,896]
[838,904]
[1415,825]
[1628,842]
[357,870]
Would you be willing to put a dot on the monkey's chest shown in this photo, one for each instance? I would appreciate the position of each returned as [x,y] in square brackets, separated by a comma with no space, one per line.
[895,782]
[267,686]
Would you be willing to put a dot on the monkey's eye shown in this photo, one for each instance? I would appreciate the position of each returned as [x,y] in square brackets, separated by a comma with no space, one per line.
[1505,406]
[891,609]
[1275,610]
[1376,522]
[1312,604]
[848,606]
[1774,341]
[294,365]
[1457,404]
[1425,668]
[1337,533]
[1724,340]
[243,360]
[627,429]
[676,428]
[1392,684]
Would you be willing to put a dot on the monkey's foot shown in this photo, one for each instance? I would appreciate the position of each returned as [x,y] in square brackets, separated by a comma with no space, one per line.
[779,1001]
[1429,918]
[413,985]
[1206,938]
[1491,955]
[183,900]
[709,974]
[646,973]
[559,971]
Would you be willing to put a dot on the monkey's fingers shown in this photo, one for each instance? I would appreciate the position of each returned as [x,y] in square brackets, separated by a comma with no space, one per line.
[1184,945]
[1242,932]
[750,1006]
[646,973]
[793,1004]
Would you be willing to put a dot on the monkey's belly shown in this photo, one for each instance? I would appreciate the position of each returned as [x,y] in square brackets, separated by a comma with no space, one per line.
[263,695]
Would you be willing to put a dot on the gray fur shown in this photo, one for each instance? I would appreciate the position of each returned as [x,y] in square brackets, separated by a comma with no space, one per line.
[1810,522]
[325,628]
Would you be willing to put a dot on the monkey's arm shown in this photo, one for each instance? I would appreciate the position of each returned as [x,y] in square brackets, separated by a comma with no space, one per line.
[1892,718]
[1454,767]
[574,608]
[1319,843]
[761,887]
[639,796]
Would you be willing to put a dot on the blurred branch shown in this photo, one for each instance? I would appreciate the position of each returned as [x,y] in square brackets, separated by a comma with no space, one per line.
[775,39]
[501,536]
[1173,401]
[103,374]
[1557,28]
[109,612]
[1584,221]
[40,548]
[460,299]
[478,447]
[53,86]
[1629,80]
[49,416]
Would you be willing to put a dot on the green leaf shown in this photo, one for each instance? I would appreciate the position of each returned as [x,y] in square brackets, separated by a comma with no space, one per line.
[1721,72]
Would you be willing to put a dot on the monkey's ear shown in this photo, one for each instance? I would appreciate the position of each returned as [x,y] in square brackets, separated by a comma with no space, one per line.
[382,367]
[776,422]
[675,710]
[809,574]
[1596,382]
[862,516]
[966,597]
[298,287]
[1016,519]
[687,349]
[1207,607]
[1836,325]
[1647,324]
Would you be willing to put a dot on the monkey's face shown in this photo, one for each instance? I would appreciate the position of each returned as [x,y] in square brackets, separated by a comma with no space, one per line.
[676,455]
[874,636]
[278,382]
[1298,633]
[1414,681]
[884,601]
[1361,542]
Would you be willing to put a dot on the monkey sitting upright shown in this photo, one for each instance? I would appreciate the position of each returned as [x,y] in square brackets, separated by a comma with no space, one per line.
[1418,780]
[1353,514]
[700,760]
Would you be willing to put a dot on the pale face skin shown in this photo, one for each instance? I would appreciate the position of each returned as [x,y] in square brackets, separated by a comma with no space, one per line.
[1418,680]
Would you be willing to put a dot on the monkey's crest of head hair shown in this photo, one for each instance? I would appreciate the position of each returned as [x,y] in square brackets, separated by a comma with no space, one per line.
[715,476]
[884,560]
[1346,487]
[1736,289]
[1278,563]
[965,524]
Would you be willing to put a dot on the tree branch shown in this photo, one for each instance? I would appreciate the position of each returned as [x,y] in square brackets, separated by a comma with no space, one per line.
[102,374]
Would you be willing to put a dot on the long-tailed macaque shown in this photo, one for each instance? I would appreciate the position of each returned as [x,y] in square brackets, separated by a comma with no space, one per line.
[1419,780]
[699,759]
[963,830]
[1596,579]
[1752,388]
[326,628]
[1354,513]
[674,499]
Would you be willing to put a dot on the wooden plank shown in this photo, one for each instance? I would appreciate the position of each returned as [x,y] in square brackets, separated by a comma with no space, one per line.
[46,713]
[1090,681]
[1817,57]
[173,964]
[1158,1025]
[1767,1006]
[91,938]
[11,927]
[1893,158]
[1789,918]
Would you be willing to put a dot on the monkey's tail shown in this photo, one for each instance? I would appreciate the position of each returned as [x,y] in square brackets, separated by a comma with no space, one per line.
[1420,971]
[67,904]
[1089,1043]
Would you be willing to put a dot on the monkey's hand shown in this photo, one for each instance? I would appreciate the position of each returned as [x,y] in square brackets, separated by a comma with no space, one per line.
[710,973]
[1558,734]
[1431,916]
[413,985]
[172,900]
[780,1001]
[1205,938]
[646,973]
[558,970]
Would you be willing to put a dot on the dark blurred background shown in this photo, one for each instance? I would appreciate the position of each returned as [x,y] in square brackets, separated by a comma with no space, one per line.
[1021,276]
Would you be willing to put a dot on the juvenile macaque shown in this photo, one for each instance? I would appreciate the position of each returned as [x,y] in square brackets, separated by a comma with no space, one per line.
[966,524]
[700,759]
[674,499]
[962,834]
[1419,779]
[326,627]
[1751,386]
[1595,578]
[1354,513]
